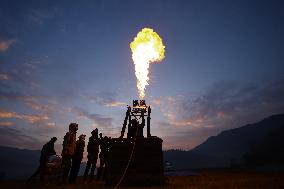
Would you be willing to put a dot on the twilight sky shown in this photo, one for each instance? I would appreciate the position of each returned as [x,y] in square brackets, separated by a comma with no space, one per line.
[70,61]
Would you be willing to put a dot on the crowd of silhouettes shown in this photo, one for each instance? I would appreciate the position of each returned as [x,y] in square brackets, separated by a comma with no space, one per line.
[73,150]
[72,155]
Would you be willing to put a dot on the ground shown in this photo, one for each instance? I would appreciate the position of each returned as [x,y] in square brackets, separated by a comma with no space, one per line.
[221,179]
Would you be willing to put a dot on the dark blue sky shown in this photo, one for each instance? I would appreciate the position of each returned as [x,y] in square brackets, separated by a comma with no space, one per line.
[70,61]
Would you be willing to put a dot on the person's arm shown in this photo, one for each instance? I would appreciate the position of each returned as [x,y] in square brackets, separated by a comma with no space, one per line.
[43,151]
[52,150]
[66,143]
[89,145]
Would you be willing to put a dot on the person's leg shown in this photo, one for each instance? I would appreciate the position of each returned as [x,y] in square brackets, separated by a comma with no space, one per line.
[66,165]
[87,169]
[77,169]
[105,169]
[100,169]
[41,175]
[94,162]
[34,175]
[42,169]
[72,171]
[93,170]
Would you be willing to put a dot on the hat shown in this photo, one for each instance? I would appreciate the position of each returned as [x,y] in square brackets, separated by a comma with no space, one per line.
[73,126]
[82,136]
[53,139]
[94,131]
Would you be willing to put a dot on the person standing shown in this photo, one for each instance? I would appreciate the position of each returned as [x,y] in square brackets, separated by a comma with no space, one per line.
[46,151]
[104,146]
[69,146]
[93,150]
[77,158]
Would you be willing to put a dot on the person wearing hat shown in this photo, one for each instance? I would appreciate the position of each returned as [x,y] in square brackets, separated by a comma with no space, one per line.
[93,151]
[46,151]
[69,146]
[77,158]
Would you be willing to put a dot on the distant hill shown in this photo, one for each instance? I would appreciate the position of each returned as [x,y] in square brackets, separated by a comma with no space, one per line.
[17,163]
[231,146]
[20,163]
[181,159]
[268,151]
[236,142]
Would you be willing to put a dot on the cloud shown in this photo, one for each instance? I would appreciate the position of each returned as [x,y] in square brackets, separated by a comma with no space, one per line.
[226,102]
[20,75]
[157,101]
[13,137]
[33,102]
[106,99]
[4,76]
[51,124]
[7,123]
[23,73]
[7,114]
[28,118]
[101,121]
[6,44]
[41,16]
[181,138]
[34,118]
[224,105]
[116,104]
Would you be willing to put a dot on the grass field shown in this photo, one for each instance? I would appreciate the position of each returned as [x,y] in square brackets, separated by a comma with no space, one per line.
[223,179]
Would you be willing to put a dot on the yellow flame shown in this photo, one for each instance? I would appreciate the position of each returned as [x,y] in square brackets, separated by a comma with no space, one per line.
[147,47]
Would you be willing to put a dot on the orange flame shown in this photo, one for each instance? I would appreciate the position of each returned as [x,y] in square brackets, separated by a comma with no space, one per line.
[147,47]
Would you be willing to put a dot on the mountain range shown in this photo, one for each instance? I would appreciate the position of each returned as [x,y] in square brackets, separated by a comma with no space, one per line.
[17,163]
[235,146]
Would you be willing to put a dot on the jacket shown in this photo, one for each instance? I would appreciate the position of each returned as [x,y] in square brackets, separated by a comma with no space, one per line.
[93,145]
[69,144]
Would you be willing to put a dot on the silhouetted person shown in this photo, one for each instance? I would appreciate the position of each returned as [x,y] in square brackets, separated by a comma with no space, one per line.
[46,151]
[132,129]
[69,146]
[104,146]
[136,129]
[93,150]
[77,158]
